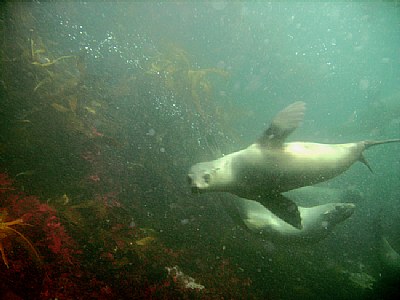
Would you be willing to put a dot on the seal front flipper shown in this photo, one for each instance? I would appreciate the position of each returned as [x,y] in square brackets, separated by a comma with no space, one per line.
[283,124]
[282,207]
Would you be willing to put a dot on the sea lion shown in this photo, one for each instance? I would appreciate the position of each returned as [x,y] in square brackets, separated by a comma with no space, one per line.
[321,194]
[318,221]
[269,167]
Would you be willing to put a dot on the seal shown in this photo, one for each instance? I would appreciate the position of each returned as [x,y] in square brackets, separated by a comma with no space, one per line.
[270,166]
[318,221]
[321,194]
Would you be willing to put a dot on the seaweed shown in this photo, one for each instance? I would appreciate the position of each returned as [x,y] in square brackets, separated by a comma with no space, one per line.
[58,272]
[173,66]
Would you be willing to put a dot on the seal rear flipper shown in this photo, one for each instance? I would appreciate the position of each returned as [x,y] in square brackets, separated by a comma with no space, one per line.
[283,208]
[365,162]
[283,124]
[369,144]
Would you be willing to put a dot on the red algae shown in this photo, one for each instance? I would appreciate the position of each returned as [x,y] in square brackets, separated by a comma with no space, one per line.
[91,250]
[60,276]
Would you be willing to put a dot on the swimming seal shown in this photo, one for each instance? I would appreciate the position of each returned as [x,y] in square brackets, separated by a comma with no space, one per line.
[321,194]
[318,221]
[269,167]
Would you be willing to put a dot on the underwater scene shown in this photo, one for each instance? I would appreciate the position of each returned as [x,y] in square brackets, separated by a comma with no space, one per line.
[200,150]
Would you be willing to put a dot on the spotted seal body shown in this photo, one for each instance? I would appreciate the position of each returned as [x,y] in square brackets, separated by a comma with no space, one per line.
[270,166]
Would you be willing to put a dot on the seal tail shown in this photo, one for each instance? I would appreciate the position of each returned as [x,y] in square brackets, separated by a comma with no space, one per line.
[368,144]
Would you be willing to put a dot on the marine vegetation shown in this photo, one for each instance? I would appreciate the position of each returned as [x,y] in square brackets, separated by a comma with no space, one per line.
[173,66]
[95,158]
[8,234]
[82,243]
[38,57]
[362,280]
[7,231]
[57,269]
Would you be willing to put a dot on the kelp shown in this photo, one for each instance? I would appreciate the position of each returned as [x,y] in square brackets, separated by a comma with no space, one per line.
[105,159]
[173,66]
[7,231]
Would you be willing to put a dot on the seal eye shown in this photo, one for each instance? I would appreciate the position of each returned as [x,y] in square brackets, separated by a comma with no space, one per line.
[207,178]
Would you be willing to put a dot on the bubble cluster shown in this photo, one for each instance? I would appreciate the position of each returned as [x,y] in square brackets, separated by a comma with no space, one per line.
[131,49]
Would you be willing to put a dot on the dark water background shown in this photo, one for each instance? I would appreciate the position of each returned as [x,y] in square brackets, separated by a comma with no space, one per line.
[115,101]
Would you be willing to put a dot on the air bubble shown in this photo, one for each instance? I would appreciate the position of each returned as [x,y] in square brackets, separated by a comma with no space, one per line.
[151,132]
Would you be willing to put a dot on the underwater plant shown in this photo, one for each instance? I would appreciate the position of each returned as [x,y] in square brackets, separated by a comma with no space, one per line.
[173,66]
[7,231]
[60,276]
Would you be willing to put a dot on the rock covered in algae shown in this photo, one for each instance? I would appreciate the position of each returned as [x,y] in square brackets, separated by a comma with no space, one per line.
[182,279]
[362,280]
